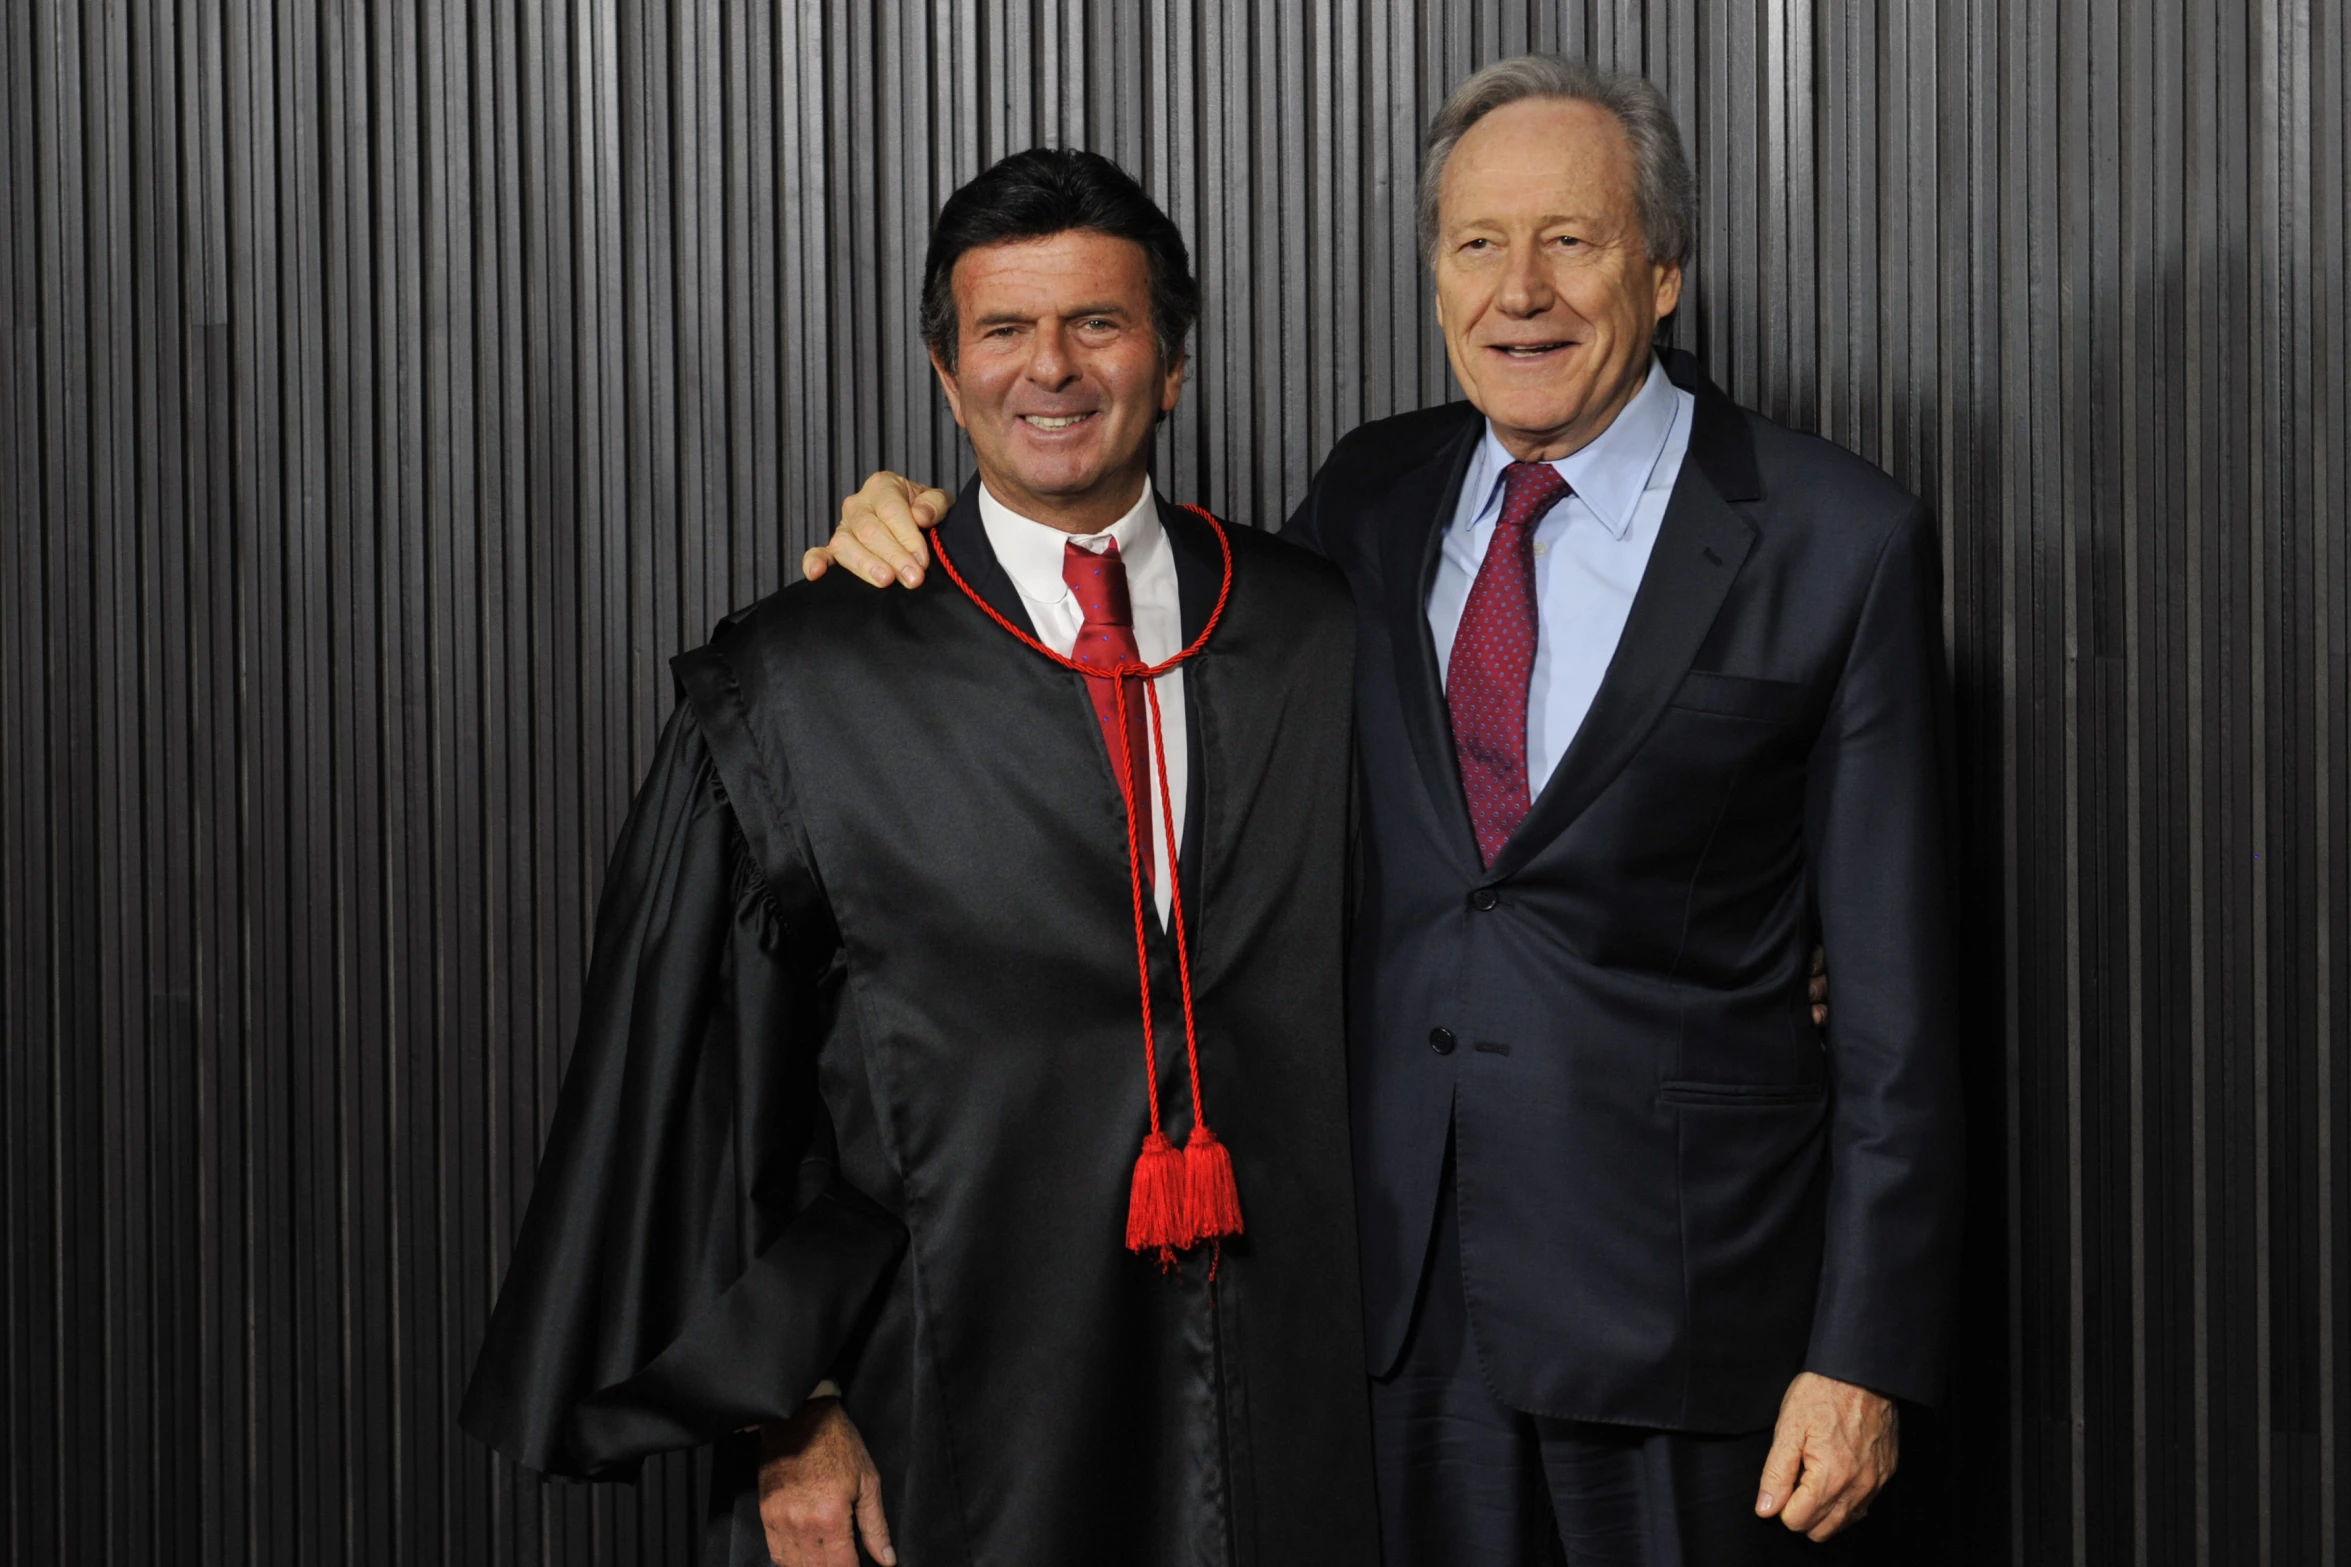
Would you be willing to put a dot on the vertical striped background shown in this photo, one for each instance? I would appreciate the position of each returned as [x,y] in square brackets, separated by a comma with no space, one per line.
[390,389]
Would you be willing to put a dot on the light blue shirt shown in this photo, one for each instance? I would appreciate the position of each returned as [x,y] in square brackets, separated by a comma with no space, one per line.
[1590,551]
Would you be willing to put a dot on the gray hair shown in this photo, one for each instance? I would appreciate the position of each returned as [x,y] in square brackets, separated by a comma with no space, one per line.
[1664,189]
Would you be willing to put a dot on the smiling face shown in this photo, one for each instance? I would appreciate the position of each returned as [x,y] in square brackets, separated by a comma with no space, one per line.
[1545,288]
[1058,377]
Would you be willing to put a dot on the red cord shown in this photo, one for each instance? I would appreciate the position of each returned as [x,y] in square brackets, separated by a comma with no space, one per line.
[1120,674]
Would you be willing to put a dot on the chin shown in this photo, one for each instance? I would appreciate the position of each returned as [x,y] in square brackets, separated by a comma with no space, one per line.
[1064,478]
[1530,413]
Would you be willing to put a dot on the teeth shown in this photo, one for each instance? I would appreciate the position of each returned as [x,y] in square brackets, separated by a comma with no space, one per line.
[1047,422]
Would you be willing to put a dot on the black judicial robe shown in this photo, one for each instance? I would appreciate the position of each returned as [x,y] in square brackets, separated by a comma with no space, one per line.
[859,1087]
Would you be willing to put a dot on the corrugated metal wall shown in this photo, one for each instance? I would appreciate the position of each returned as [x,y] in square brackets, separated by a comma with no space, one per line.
[391,389]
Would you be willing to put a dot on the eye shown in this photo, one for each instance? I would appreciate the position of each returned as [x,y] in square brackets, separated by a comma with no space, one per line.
[1567,241]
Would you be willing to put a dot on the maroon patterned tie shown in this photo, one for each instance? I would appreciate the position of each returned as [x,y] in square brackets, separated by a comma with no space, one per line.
[1494,657]
[1106,640]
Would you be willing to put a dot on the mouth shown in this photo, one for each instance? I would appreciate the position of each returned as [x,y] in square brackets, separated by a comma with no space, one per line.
[1529,353]
[1054,423]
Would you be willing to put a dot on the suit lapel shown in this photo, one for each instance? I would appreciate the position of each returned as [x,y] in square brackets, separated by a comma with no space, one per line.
[966,538]
[1700,545]
[1412,530]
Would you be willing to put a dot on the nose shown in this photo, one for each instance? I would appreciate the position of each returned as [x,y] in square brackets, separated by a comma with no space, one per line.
[1526,283]
[1051,364]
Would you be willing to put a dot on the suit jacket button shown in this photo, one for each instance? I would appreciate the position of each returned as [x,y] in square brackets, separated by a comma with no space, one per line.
[1484,898]
[1441,1041]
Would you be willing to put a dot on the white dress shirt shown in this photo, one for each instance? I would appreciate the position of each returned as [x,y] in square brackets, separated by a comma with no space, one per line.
[1590,552]
[1031,554]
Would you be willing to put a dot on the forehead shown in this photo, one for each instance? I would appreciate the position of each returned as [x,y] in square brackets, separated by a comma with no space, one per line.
[1540,157]
[1036,277]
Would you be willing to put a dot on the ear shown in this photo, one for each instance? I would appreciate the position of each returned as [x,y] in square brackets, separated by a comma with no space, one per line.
[1669,287]
[947,385]
[1171,386]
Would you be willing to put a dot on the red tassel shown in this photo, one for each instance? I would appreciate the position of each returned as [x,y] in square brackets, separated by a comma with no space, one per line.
[1212,1199]
[1155,1205]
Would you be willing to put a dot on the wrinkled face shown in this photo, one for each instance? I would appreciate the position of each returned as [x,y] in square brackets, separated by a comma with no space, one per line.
[1545,288]
[1058,378]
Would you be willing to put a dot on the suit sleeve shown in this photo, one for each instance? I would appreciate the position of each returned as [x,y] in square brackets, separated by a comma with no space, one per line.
[1878,835]
[690,1262]
[1305,525]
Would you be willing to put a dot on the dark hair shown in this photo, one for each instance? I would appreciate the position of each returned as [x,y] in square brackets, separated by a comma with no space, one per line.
[1047,191]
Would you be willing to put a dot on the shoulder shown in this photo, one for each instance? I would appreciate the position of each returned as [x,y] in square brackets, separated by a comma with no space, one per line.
[823,613]
[1809,472]
[1287,592]
[1370,457]
[1405,440]
[1361,477]
[1824,511]
[774,643]
[1295,572]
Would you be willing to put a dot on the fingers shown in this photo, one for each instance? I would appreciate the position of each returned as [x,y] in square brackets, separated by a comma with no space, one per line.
[1831,1499]
[881,532]
[1780,1468]
[806,1529]
[882,549]
[814,562]
[1817,1495]
[870,1523]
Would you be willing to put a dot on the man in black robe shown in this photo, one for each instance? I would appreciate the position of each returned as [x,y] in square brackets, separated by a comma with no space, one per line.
[845,1172]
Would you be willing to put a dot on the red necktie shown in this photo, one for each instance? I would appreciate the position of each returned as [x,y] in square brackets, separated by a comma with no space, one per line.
[1494,658]
[1106,640]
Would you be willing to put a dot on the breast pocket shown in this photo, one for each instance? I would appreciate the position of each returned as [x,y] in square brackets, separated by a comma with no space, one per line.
[1740,696]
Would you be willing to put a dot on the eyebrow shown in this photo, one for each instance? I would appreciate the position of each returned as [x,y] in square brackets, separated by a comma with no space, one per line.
[996,317]
[1548,220]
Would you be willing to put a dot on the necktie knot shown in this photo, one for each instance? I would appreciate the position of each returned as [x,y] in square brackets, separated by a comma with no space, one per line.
[1099,583]
[1529,489]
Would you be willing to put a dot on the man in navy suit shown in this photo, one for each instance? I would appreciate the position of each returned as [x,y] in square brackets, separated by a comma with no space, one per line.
[1649,698]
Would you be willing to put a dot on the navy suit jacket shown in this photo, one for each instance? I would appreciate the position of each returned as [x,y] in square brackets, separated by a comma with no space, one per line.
[1674,1193]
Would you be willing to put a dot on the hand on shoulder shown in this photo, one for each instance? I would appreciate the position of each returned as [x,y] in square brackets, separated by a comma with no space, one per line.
[880,534]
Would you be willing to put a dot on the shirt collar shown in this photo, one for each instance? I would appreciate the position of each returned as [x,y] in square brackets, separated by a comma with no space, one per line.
[1609,473]
[1031,552]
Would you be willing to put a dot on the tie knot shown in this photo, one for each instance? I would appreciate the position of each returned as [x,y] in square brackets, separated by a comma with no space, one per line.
[1099,583]
[1529,489]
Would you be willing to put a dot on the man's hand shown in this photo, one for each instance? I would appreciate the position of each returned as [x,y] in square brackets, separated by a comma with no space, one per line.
[1842,1440]
[815,1479]
[1820,979]
[880,533]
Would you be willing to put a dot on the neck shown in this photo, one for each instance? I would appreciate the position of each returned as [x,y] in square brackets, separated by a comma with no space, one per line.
[1091,512]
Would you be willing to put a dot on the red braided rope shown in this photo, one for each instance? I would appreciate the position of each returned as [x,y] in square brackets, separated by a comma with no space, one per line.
[1120,674]
[1175,901]
[1126,670]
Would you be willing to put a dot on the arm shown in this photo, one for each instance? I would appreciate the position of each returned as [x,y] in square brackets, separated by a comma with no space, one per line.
[880,535]
[1876,838]
[691,1262]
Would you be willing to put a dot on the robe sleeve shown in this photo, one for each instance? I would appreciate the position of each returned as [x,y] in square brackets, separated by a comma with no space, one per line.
[691,1262]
